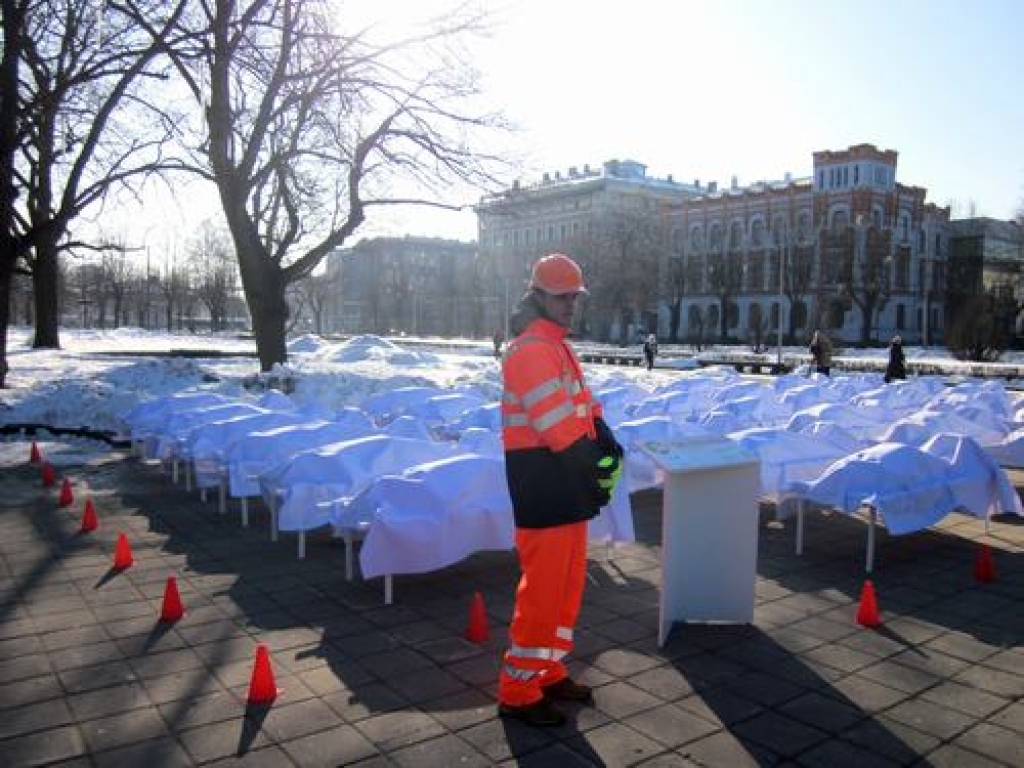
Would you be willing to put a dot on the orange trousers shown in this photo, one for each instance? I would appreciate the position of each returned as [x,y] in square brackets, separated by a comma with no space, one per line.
[554,570]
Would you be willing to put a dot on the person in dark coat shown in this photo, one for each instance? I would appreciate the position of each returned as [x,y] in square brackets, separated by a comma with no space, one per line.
[650,350]
[897,367]
[821,353]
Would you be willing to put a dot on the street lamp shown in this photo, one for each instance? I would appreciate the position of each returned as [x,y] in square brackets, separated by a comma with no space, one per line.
[783,245]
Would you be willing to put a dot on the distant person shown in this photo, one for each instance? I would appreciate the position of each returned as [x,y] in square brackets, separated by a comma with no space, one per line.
[498,339]
[650,350]
[897,367]
[821,353]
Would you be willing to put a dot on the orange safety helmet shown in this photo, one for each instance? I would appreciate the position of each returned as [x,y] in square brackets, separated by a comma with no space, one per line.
[558,275]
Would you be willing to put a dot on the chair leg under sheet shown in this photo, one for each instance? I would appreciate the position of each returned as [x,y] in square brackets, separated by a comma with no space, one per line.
[869,556]
[349,554]
[273,518]
[800,526]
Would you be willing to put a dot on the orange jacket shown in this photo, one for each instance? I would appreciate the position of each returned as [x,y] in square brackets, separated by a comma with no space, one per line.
[548,430]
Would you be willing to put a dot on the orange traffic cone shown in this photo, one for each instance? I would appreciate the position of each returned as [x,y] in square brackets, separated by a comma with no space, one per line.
[172,609]
[49,476]
[89,520]
[33,456]
[984,567]
[867,613]
[66,497]
[262,688]
[122,553]
[477,630]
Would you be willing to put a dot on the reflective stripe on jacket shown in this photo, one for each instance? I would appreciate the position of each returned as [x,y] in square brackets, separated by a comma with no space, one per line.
[546,408]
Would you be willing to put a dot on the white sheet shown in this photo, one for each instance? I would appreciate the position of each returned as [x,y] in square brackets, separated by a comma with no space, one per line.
[263,451]
[310,482]
[435,514]
[910,488]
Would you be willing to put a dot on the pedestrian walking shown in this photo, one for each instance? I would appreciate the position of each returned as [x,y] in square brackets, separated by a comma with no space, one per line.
[498,339]
[821,353]
[897,367]
[650,350]
[562,464]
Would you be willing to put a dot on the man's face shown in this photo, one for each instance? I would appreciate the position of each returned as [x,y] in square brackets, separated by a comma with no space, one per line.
[560,308]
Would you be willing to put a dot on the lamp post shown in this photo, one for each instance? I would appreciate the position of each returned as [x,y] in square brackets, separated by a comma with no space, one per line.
[782,290]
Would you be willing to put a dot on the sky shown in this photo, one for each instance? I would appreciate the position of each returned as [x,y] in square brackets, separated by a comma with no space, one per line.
[711,89]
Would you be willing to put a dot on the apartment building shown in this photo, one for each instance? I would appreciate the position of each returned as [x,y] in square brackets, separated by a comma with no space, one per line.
[420,286]
[847,248]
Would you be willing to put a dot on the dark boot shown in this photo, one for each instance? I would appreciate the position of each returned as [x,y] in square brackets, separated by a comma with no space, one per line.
[567,689]
[541,713]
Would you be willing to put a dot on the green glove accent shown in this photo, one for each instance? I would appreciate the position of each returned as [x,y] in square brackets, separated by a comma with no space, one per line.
[609,472]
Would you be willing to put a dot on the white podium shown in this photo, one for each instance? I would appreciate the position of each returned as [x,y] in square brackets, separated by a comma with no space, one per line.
[708,531]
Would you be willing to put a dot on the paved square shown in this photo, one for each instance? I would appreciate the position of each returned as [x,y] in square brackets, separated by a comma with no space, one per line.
[89,676]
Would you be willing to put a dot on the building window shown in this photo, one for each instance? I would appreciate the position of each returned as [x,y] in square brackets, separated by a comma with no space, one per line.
[754,317]
[735,236]
[757,233]
[900,317]
[716,237]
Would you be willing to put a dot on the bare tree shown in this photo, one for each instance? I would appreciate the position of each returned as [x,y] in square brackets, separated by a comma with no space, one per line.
[83,128]
[621,265]
[14,15]
[864,273]
[676,292]
[306,128]
[175,289]
[214,272]
[725,278]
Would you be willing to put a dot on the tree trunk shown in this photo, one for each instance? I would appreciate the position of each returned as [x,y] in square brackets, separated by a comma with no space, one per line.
[5,309]
[45,290]
[264,286]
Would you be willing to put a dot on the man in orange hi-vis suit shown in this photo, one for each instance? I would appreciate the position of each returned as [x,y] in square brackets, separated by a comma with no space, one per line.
[562,463]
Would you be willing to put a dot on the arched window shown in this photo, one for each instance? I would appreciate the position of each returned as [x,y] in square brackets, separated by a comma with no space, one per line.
[696,240]
[713,316]
[779,231]
[799,314]
[754,317]
[804,226]
[757,233]
[735,236]
[732,315]
[715,237]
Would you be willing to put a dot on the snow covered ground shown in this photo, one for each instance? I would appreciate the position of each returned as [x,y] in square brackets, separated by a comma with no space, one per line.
[94,379]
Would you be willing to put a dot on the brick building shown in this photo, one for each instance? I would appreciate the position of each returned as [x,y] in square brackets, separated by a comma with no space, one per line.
[848,248]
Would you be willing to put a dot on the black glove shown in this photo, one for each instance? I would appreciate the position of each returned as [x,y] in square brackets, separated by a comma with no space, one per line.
[606,440]
[582,460]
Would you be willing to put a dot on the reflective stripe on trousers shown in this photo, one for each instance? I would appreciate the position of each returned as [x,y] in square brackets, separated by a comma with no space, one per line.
[554,566]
